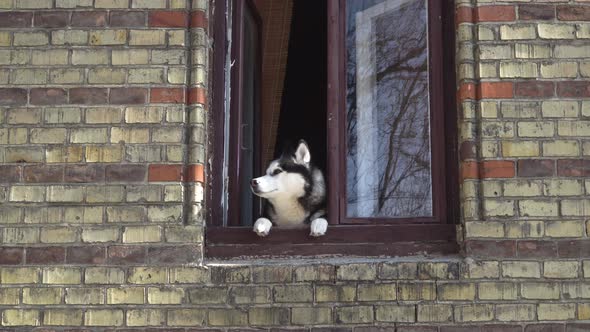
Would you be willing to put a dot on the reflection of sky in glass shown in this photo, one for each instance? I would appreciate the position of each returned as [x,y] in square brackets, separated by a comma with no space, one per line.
[388,133]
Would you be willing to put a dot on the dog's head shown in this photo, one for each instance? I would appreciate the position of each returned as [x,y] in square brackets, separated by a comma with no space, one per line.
[287,176]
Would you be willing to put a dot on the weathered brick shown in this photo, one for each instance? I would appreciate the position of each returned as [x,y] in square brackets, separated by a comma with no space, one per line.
[127,19]
[88,19]
[128,96]
[111,4]
[71,37]
[88,96]
[62,275]
[173,254]
[556,311]
[268,316]
[189,275]
[497,291]
[534,89]
[456,291]
[106,76]
[495,13]
[311,315]
[42,295]
[435,313]
[537,249]
[104,275]
[124,255]
[84,296]
[533,208]
[565,228]
[518,32]
[168,295]
[518,269]
[575,89]
[532,51]
[20,235]
[356,314]
[21,317]
[518,69]
[147,37]
[146,317]
[525,229]
[130,57]
[536,12]
[543,291]
[107,37]
[395,313]
[103,317]
[16,19]
[573,13]
[515,312]
[30,38]
[19,275]
[147,275]
[187,317]
[356,272]
[534,167]
[58,235]
[11,256]
[27,194]
[142,234]
[90,57]
[560,269]
[208,295]
[404,270]
[474,313]
[127,295]
[228,317]
[42,96]
[417,291]
[484,229]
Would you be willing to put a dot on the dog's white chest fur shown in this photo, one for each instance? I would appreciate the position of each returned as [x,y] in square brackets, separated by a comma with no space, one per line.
[288,213]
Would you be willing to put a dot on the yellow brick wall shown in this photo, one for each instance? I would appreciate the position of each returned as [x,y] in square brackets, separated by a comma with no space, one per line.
[94,235]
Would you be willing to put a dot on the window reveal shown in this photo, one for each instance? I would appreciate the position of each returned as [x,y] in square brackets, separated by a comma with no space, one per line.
[390,130]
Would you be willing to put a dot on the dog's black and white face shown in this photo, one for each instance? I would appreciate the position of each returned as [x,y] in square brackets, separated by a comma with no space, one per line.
[285,177]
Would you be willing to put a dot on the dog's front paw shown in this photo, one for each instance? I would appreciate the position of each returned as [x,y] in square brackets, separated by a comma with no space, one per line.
[318,227]
[262,226]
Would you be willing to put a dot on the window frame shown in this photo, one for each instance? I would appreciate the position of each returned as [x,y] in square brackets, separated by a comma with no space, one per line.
[388,237]
[237,82]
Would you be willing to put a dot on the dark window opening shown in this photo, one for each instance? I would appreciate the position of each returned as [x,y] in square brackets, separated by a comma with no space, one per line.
[303,107]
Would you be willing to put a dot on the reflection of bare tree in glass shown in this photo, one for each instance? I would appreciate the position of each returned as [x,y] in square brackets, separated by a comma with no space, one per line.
[401,121]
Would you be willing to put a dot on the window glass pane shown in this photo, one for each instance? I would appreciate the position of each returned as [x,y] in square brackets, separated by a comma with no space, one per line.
[388,119]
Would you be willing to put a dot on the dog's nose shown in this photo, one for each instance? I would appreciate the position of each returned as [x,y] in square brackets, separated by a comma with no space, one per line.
[254,182]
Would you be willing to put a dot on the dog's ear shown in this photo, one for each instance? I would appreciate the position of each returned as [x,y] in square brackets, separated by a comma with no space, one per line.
[302,154]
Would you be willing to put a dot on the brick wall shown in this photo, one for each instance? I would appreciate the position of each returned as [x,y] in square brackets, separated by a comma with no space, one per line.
[102,144]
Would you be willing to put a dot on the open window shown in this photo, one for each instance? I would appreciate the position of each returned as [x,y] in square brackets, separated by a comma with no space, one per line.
[362,82]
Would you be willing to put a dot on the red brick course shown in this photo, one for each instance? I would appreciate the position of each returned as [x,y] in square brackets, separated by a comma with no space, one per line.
[165,173]
[167,95]
[495,13]
[168,19]
[496,90]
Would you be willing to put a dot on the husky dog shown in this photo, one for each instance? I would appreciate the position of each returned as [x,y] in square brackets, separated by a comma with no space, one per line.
[295,193]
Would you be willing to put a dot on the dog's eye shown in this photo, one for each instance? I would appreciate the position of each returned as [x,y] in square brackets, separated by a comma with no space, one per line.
[277,171]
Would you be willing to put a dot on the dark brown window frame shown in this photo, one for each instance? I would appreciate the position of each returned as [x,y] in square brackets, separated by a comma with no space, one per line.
[366,237]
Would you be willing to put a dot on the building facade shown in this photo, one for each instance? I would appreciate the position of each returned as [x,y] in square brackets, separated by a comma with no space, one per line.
[104,110]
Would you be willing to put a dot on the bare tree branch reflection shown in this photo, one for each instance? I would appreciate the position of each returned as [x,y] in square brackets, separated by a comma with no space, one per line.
[402,117]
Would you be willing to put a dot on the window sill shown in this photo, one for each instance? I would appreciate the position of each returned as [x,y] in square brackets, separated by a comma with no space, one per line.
[341,240]
[307,261]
